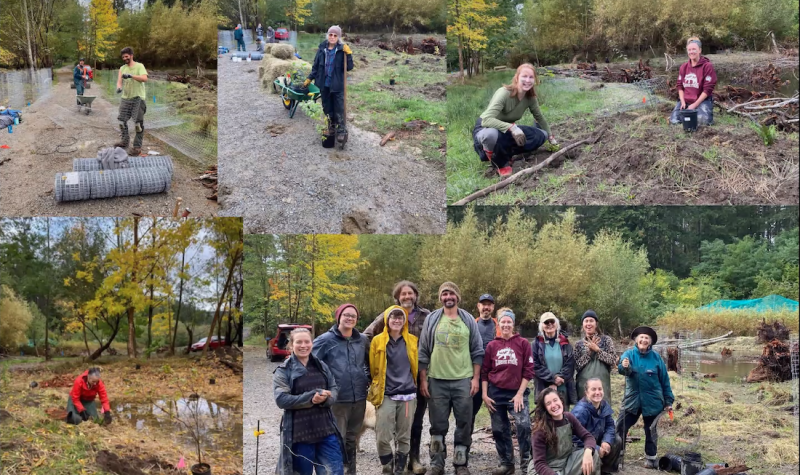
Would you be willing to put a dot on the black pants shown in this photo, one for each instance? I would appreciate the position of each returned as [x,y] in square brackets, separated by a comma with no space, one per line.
[630,419]
[477,401]
[416,426]
[333,107]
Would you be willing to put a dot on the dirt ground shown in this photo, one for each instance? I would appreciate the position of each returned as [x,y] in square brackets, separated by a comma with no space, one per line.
[274,172]
[642,160]
[53,133]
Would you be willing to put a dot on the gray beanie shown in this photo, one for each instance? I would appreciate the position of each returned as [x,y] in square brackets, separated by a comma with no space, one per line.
[335,29]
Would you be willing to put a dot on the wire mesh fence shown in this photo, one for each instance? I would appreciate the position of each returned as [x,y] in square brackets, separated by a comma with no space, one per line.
[195,136]
[225,38]
[611,98]
[21,88]
[795,361]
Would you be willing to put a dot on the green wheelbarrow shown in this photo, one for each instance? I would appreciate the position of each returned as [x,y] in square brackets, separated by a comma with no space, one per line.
[291,98]
[85,103]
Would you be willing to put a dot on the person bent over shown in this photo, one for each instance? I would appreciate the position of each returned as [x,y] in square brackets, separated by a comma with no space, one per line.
[81,404]
[130,82]
[327,73]
[496,136]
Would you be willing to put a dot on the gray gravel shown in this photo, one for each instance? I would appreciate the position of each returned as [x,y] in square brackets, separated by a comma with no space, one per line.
[259,405]
[290,184]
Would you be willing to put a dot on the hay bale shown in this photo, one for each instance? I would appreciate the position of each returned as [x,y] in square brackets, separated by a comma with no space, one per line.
[282,51]
[268,48]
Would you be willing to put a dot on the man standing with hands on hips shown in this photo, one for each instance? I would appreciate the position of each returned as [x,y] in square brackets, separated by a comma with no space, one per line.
[130,83]
[450,357]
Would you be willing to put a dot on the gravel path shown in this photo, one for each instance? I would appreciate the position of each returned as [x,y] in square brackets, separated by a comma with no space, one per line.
[282,180]
[51,126]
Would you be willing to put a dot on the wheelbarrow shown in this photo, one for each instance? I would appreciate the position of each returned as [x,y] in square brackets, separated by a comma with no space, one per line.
[291,98]
[85,103]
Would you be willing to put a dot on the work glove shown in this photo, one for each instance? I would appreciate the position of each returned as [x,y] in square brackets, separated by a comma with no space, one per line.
[107,418]
[306,82]
[84,415]
[346,49]
[519,135]
[126,76]
[119,90]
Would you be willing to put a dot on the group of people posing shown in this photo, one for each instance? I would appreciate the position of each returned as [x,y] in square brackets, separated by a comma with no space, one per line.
[410,359]
[497,138]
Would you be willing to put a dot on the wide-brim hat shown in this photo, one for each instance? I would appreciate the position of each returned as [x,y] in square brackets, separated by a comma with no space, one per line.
[647,331]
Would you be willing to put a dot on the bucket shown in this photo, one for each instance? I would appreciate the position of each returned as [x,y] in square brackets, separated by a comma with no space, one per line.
[201,469]
[691,463]
[670,462]
[689,119]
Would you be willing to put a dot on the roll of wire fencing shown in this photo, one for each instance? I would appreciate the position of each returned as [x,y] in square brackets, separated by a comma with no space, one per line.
[173,114]
[23,87]
[78,186]
[247,54]
[225,38]
[92,164]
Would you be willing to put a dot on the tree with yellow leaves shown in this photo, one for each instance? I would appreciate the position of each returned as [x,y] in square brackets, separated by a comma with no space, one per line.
[470,22]
[297,11]
[102,27]
[228,240]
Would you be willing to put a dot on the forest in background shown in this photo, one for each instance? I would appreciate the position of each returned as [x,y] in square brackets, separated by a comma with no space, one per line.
[163,33]
[634,264]
[504,32]
[79,282]
[384,16]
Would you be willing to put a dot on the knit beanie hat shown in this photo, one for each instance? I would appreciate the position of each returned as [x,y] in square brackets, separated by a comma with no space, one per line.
[452,288]
[589,314]
[335,29]
[341,308]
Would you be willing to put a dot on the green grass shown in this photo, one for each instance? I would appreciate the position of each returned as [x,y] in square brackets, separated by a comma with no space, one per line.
[561,100]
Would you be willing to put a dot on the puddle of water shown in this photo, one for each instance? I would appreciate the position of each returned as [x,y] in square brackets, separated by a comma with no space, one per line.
[730,369]
[219,426]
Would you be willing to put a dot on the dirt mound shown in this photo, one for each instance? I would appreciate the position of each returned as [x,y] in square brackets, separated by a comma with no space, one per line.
[56,413]
[5,416]
[61,381]
[775,363]
[131,465]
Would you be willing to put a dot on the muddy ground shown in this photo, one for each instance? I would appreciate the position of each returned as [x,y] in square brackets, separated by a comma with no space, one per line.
[274,172]
[53,133]
[35,440]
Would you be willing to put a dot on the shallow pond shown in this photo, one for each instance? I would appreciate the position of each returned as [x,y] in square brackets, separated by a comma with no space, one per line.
[730,369]
[218,426]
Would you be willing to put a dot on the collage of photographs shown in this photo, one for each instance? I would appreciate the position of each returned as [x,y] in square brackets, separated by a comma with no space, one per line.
[399,237]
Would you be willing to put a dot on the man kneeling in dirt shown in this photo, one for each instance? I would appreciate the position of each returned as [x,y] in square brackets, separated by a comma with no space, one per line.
[81,402]
[130,82]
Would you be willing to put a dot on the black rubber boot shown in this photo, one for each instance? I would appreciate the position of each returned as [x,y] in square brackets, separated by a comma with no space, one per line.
[400,461]
[388,464]
[341,130]
[351,462]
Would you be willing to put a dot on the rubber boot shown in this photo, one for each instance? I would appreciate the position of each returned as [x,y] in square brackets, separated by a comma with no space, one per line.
[351,461]
[387,464]
[330,126]
[400,461]
[434,470]
[341,130]
[460,460]
[650,462]
[414,465]
[503,470]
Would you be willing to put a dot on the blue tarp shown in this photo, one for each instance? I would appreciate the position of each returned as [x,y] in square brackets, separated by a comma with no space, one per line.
[764,304]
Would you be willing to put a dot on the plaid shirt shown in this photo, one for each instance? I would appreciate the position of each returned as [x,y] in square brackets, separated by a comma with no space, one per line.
[330,55]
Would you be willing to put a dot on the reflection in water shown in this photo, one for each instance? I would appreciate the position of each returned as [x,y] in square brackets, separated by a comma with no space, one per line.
[729,369]
[219,426]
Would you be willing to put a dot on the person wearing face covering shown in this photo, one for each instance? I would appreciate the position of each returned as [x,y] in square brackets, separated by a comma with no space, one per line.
[497,137]
[696,81]
[393,392]
[81,405]
[130,83]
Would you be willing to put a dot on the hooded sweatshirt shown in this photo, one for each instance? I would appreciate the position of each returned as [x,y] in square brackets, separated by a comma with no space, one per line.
[392,363]
[507,362]
[82,392]
[695,80]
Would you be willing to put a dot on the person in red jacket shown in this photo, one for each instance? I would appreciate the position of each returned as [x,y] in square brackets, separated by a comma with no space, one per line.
[696,82]
[506,370]
[81,403]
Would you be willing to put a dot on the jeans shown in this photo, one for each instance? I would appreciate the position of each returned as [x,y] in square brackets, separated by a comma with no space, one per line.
[504,146]
[705,113]
[447,395]
[501,430]
[240,45]
[79,87]
[326,454]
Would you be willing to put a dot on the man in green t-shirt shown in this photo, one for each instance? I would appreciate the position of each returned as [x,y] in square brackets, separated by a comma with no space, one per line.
[450,357]
[130,82]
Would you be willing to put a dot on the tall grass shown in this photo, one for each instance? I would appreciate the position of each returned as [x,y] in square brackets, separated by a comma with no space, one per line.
[741,322]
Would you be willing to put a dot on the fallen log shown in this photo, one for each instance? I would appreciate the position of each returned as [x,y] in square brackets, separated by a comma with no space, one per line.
[386,138]
[504,183]
[700,343]
[732,470]
[237,367]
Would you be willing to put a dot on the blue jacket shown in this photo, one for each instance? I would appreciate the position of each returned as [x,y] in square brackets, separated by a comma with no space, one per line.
[318,69]
[647,386]
[347,361]
[283,381]
[77,74]
[238,34]
[599,422]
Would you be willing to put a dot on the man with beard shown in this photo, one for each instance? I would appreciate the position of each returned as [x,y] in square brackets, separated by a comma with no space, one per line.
[406,294]
[130,82]
[489,329]
[450,358]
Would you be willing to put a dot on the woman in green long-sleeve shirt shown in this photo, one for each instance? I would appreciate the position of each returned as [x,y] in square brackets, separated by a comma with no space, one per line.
[497,138]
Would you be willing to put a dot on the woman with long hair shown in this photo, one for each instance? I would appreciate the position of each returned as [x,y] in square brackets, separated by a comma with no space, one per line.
[594,356]
[553,428]
[496,136]
[305,389]
[554,360]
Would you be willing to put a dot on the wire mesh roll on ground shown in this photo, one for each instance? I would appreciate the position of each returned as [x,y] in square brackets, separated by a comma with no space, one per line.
[76,186]
[90,164]
[254,55]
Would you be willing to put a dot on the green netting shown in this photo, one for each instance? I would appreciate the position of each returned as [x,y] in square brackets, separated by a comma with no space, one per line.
[765,304]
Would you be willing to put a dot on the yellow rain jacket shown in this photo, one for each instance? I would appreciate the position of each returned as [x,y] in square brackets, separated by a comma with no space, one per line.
[377,356]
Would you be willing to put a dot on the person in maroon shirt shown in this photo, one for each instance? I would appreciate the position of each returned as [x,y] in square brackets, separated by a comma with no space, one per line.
[696,82]
[506,370]
[553,452]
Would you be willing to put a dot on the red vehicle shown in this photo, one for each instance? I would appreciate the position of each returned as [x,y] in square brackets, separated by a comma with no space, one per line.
[216,342]
[281,34]
[276,347]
